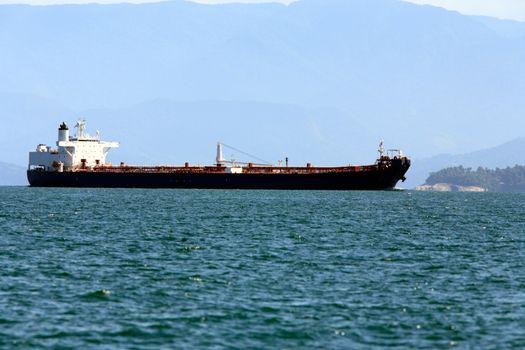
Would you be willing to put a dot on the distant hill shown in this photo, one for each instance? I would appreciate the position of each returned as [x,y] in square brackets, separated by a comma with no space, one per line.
[505,28]
[508,154]
[174,132]
[12,175]
[426,80]
[27,120]
[509,179]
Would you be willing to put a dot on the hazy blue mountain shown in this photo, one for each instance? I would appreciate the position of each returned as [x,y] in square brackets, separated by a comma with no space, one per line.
[319,80]
[174,132]
[425,79]
[12,175]
[506,28]
[507,154]
[26,121]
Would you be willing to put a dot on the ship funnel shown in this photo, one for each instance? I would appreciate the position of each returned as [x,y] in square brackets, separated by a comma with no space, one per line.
[63,132]
[219,159]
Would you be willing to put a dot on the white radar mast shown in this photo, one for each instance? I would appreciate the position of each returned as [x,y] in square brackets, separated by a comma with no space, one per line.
[81,129]
[381,149]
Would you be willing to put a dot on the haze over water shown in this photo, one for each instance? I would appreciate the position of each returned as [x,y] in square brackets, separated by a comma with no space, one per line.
[195,269]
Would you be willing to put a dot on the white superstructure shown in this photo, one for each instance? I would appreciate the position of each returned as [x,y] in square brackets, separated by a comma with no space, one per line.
[72,153]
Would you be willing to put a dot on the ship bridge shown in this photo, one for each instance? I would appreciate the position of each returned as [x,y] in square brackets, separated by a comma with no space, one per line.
[81,151]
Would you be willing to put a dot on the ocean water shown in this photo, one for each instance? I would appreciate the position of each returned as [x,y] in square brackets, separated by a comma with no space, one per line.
[208,269]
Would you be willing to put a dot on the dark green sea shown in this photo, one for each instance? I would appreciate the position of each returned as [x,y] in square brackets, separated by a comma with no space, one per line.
[208,269]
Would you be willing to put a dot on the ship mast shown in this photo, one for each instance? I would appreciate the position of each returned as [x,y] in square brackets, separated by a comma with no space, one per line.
[381,149]
[81,129]
[219,160]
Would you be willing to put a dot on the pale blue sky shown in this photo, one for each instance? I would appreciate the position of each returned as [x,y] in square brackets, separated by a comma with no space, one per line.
[510,9]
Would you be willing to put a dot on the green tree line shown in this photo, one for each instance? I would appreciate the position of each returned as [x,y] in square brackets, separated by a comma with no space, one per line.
[510,179]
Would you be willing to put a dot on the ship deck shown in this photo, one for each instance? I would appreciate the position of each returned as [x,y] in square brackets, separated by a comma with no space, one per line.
[222,169]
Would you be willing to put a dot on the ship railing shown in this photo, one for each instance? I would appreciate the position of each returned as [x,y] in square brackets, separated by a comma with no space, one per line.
[151,169]
[394,153]
[311,170]
[36,167]
[222,169]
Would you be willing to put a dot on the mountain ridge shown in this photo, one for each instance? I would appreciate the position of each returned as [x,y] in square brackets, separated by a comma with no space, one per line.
[12,175]
[426,80]
[502,156]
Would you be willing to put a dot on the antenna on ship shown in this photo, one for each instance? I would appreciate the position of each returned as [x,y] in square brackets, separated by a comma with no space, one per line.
[381,149]
[81,128]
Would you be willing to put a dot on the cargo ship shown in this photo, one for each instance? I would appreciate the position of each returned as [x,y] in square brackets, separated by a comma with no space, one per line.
[80,161]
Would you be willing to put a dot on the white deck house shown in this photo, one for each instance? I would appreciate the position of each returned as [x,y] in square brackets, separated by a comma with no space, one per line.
[79,152]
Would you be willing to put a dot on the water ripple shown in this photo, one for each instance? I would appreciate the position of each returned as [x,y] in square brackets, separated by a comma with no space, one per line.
[200,269]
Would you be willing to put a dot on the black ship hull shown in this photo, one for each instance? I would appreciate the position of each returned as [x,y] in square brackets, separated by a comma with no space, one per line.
[378,178]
